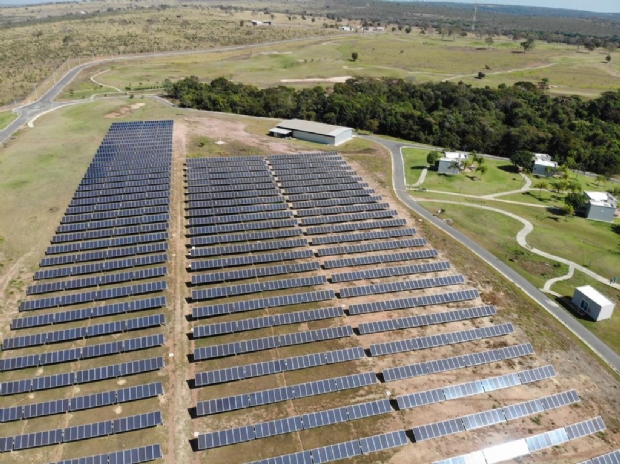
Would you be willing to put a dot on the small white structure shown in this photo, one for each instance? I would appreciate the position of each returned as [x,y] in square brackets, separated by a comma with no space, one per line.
[593,303]
[543,166]
[601,206]
[451,162]
[316,132]
[345,28]
[256,22]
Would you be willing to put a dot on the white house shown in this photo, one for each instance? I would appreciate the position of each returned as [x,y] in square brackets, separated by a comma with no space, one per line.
[450,163]
[311,131]
[601,206]
[345,28]
[593,303]
[543,166]
[256,22]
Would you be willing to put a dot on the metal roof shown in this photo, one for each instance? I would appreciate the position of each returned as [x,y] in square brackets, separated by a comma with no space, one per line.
[594,295]
[277,130]
[603,199]
[313,127]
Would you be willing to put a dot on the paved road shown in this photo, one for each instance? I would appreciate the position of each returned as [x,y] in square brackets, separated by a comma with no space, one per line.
[398,180]
[46,102]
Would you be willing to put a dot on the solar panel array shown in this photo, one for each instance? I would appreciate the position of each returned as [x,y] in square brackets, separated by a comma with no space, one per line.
[608,458]
[115,231]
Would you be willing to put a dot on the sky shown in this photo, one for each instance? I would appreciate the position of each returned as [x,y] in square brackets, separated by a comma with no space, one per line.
[600,6]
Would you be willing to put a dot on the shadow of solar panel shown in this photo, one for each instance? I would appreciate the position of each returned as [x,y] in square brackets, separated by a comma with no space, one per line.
[383,441]
[438,429]
[415,400]
[483,419]
[225,437]
[335,452]
[527,408]
[584,428]
[546,440]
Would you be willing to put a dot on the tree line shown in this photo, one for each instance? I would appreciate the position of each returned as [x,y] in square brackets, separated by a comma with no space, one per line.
[581,134]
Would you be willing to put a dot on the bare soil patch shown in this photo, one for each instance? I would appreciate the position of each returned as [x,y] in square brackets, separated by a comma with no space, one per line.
[124,111]
[336,79]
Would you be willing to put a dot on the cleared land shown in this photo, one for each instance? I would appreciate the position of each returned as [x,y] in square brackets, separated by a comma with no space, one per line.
[76,132]
[413,57]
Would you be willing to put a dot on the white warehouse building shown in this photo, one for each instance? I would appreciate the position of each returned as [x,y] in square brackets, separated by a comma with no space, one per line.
[311,131]
[593,303]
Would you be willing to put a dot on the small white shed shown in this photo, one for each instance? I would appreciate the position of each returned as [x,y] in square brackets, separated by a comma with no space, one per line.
[451,162]
[593,303]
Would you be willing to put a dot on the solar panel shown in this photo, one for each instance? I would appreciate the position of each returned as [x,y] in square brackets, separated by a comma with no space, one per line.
[438,429]
[225,437]
[302,457]
[383,441]
[335,452]
[415,400]
[546,440]
[527,408]
[609,458]
[483,419]
[560,399]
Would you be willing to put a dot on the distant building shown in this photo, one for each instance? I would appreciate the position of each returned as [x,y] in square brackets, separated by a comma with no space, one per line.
[593,303]
[255,22]
[601,206]
[543,166]
[312,132]
[379,29]
[451,162]
[345,28]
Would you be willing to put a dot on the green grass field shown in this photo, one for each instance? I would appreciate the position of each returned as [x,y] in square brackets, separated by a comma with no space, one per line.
[6,118]
[413,57]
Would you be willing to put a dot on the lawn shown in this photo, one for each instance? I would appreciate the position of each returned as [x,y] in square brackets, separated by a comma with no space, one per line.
[536,197]
[500,176]
[6,118]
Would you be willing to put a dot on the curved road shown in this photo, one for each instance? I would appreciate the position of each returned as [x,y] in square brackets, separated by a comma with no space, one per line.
[609,356]
[46,102]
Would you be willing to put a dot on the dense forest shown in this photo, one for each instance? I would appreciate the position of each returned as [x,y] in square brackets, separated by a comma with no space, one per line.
[584,135]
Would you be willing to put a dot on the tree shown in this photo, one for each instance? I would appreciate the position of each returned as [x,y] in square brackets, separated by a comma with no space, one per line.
[560,186]
[608,58]
[481,75]
[541,185]
[489,41]
[408,30]
[432,157]
[600,178]
[354,56]
[522,159]
[569,211]
[527,45]
[590,46]
[576,200]
[481,169]
[574,186]
[241,23]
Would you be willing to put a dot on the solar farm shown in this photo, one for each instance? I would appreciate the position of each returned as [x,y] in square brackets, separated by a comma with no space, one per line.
[322,327]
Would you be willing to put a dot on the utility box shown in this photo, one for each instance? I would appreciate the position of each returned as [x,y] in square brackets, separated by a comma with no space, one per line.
[593,303]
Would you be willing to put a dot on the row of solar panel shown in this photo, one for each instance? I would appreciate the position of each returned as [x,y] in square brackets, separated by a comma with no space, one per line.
[355,226]
[235,210]
[363,236]
[81,432]
[120,191]
[248,236]
[309,164]
[457,362]
[76,333]
[292,424]
[344,450]
[215,168]
[360,192]
[390,271]
[240,176]
[423,320]
[239,218]
[253,273]
[319,155]
[342,209]
[114,232]
[121,213]
[76,354]
[132,173]
[104,254]
[487,385]
[85,376]
[264,183]
[268,343]
[232,182]
[443,339]
[124,183]
[107,243]
[63,317]
[413,302]
[262,303]
[276,395]
[233,195]
[232,203]
[325,188]
[287,184]
[122,195]
[312,169]
[493,416]
[130,456]
[316,176]
[237,160]
[131,221]
[253,259]
[374,246]
[401,286]
[531,444]
[125,204]
[240,226]
[95,181]
[346,217]
[98,295]
[280,365]
[257,287]
[104,266]
[378,259]
[80,403]
[244,325]
[335,202]
[97,281]
[247,248]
